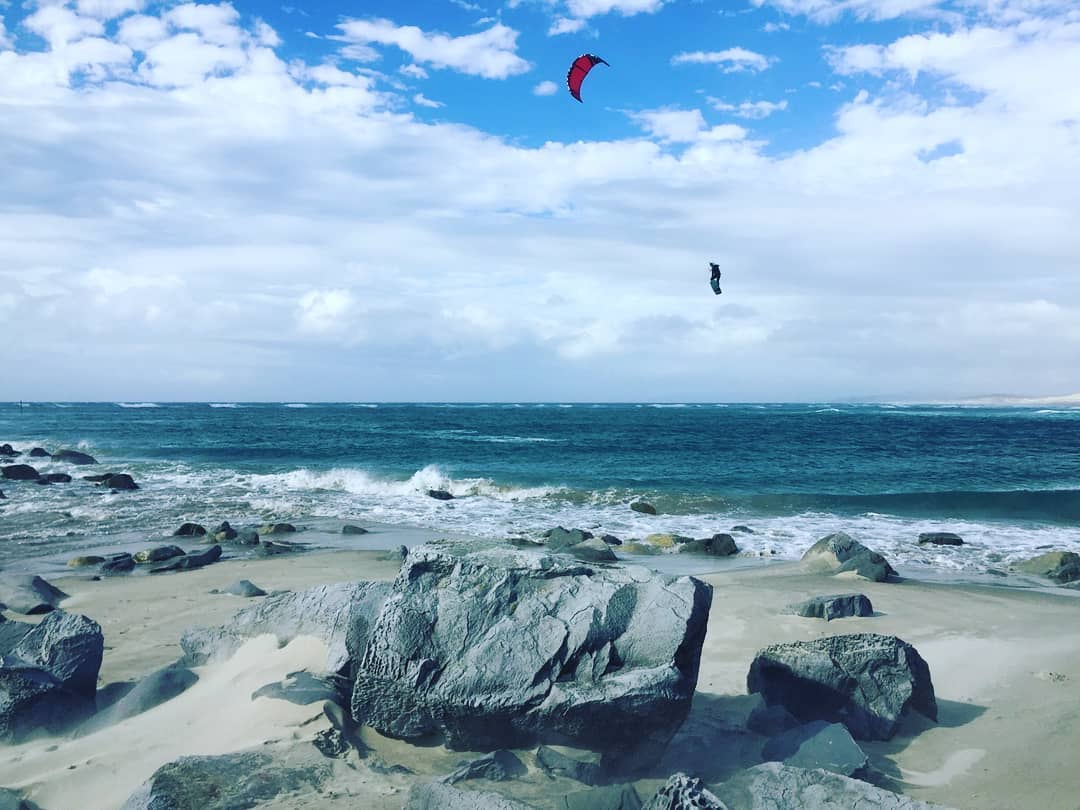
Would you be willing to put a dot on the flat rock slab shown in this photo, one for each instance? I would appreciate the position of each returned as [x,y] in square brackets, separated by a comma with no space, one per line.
[29,595]
[229,782]
[773,786]
[864,680]
[837,606]
[818,745]
[499,647]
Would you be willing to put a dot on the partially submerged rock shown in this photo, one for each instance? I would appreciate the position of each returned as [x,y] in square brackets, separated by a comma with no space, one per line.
[719,545]
[865,681]
[643,507]
[158,554]
[941,539]
[1060,566]
[840,554]
[190,561]
[19,472]
[74,457]
[497,647]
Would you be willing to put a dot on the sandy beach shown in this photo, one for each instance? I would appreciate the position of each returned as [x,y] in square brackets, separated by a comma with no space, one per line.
[1004,662]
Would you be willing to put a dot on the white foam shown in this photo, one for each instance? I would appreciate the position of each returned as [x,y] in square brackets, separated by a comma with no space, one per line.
[296,405]
[138,404]
[224,405]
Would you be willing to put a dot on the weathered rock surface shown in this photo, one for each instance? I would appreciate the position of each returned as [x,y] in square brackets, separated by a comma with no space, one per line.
[832,607]
[682,792]
[157,554]
[29,595]
[48,680]
[774,786]
[338,614]
[498,766]
[818,745]
[19,472]
[1060,566]
[440,796]
[839,553]
[865,681]
[941,539]
[229,782]
[579,765]
[498,647]
[719,545]
[74,457]
[189,561]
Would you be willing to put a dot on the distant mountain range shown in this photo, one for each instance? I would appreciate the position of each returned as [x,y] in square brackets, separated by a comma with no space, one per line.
[1005,399]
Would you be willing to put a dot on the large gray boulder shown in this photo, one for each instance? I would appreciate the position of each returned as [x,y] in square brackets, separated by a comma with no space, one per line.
[841,554]
[865,681]
[501,647]
[237,781]
[28,594]
[337,614]
[774,786]
[48,680]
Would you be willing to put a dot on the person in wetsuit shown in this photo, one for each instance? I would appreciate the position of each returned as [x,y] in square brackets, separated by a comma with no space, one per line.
[714,277]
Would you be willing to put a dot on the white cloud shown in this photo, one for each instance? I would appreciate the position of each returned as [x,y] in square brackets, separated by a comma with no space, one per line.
[5,40]
[566,25]
[733,60]
[750,109]
[627,8]
[413,71]
[420,100]
[490,54]
[60,26]
[772,27]
[545,89]
[108,9]
[684,126]
[324,311]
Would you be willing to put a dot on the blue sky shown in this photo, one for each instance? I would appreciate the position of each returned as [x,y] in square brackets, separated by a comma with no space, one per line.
[387,200]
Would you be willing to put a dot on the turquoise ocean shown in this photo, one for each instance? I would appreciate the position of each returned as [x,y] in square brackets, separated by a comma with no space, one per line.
[1006,479]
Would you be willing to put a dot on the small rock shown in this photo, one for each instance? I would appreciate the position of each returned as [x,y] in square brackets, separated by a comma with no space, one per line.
[941,539]
[594,550]
[740,529]
[190,530]
[224,532]
[39,452]
[579,765]
[611,539]
[278,528]
[245,588]
[643,508]
[348,528]
[561,538]
[1060,566]
[439,494]
[121,482]
[189,561]
[158,554]
[56,478]
[719,545]
[246,537]
[818,745]
[122,564]
[8,450]
[74,457]
[832,607]
[29,595]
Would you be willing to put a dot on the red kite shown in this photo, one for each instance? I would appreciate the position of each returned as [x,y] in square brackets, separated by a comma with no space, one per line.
[579,70]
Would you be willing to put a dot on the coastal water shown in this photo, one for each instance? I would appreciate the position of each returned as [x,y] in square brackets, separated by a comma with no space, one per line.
[1006,479]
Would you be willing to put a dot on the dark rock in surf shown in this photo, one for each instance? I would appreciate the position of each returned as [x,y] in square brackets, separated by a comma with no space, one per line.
[40,452]
[941,539]
[20,472]
[643,508]
[840,554]
[121,482]
[246,537]
[348,528]
[3,497]
[29,595]
[865,681]
[8,451]
[832,607]
[121,564]
[56,478]
[49,678]
[773,784]
[278,528]
[740,529]
[440,495]
[74,457]
[605,659]
[223,532]
[97,479]
[190,530]
[611,539]
[719,545]
[158,554]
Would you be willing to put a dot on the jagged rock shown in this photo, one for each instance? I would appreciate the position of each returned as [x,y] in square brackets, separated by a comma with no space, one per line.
[774,785]
[497,647]
[559,537]
[832,607]
[120,481]
[348,528]
[245,588]
[153,690]
[1060,566]
[49,678]
[818,745]
[865,681]
[941,539]
[719,545]
[338,614]
[56,478]
[440,495]
[19,472]
[82,562]
[682,792]
[839,553]
[498,766]
[643,507]
[581,766]
[190,530]
[74,457]
[158,554]
[190,561]
[228,782]
[29,595]
[120,564]
[39,452]
[610,797]
[11,633]
[440,796]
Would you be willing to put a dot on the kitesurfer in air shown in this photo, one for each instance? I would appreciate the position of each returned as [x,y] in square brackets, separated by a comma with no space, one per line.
[714,277]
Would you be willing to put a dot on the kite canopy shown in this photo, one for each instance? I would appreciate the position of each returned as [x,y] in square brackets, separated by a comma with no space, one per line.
[579,70]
